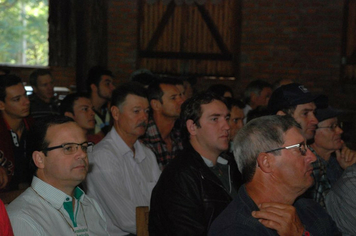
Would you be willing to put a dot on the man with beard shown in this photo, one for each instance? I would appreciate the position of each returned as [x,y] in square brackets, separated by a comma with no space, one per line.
[100,86]
[162,136]
[124,171]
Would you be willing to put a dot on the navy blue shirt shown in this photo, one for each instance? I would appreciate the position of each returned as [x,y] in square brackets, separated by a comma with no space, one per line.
[236,219]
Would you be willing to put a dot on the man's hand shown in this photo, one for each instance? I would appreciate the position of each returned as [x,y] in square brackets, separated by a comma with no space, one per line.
[346,157]
[3,178]
[281,217]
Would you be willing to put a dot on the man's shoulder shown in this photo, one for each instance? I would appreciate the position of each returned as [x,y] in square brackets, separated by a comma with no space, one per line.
[23,204]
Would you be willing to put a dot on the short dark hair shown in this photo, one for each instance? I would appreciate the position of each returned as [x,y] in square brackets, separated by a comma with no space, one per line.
[36,73]
[256,87]
[94,76]
[7,81]
[143,76]
[120,93]
[233,102]
[220,89]
[67,103]
[38,133]
[257,112]
[155,90]
[192,110]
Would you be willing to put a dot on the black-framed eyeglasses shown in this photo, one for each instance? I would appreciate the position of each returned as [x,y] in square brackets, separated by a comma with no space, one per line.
[71,148]
[302,148]
[331,127]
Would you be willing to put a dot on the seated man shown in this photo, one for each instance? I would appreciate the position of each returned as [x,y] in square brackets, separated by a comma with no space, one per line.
[332,153]
[198,184]
[14,127]
[100,86]
[54,205]
[340,202]
[276,167]
[257,93]
[124,171]
[162,137]
[79,107]
[236,115]
[43,102]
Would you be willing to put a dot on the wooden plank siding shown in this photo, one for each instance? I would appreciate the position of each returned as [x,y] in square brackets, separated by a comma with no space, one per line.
[349,61]
[188,39]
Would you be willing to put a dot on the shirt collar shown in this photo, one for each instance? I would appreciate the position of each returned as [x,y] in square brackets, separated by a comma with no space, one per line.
[125,150]
[53,195]
[220,160]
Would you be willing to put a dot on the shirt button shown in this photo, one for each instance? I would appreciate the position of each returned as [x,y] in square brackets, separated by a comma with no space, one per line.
[67,199]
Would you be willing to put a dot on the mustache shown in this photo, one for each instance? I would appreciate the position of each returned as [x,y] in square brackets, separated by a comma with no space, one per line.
[143,124]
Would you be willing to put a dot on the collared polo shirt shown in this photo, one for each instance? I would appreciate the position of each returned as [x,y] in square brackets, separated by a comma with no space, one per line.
[44,210]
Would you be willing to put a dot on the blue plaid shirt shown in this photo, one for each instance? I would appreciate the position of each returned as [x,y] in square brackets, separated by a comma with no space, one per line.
[325,175]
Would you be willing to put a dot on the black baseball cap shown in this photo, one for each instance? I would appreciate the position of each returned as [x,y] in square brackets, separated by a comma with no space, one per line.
[327,113]
[294,94]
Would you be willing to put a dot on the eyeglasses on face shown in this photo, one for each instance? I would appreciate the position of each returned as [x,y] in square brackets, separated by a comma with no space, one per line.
[331,127]
[71,148]
[302,148]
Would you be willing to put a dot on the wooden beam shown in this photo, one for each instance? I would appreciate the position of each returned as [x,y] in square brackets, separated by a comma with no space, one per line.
[186,55]
[213,29]
[161,25]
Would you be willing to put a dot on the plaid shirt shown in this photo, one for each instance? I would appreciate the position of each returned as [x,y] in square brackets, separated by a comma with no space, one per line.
[154,141]
[325,174]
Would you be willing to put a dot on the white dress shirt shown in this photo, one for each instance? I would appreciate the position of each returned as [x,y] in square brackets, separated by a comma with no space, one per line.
[40,210]
[121,180]
[246,110]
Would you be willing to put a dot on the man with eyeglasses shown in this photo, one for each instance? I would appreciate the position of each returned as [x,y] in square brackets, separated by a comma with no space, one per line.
[297,101]
[124,171]
[333,156]
[54,205]
[277,169]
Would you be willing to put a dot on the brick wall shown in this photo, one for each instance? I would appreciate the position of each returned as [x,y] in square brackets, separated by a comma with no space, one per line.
[122,38]
[300,40]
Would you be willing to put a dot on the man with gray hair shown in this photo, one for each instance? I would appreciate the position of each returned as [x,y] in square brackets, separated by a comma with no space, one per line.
[276,165]
[257,93]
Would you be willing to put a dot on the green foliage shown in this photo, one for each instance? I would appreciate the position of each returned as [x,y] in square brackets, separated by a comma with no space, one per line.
[24,32]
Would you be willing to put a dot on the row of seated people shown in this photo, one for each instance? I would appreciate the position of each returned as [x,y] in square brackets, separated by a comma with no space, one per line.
[199,182]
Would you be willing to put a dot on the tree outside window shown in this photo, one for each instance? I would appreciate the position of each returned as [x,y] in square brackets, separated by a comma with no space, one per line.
[24,32]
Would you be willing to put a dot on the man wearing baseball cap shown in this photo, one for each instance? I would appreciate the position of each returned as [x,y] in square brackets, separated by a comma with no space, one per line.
[333,156]
[296,100]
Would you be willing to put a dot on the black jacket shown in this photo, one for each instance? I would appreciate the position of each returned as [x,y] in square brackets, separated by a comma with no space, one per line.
[188,197]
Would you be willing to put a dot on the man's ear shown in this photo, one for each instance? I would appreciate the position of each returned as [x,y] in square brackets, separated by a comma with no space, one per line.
[2,105]
[264,161]
[38,159]
[69,114]
[93,87]
[281,113]
[115,112]
[191,127]
[253,97]
[155,104]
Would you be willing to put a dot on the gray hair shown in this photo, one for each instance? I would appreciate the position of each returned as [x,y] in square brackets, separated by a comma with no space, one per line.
[255,87]
[259,135]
